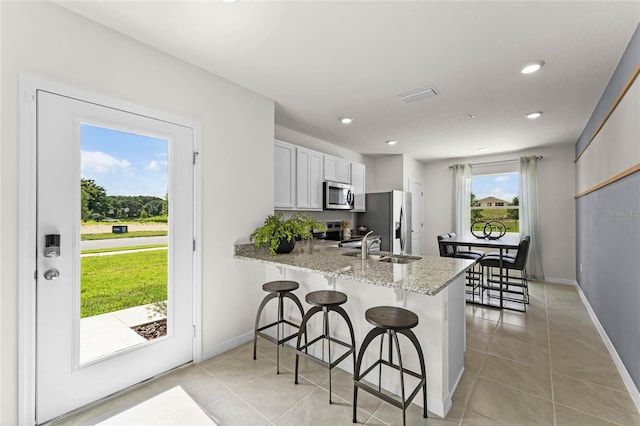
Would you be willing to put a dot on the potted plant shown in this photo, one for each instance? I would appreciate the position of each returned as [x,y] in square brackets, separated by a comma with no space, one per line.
[280,235]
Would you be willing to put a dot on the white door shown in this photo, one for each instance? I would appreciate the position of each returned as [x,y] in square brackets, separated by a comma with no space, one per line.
[81,360]
[416,225]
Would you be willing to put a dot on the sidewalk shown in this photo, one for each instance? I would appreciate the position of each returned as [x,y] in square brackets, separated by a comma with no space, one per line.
[102,335]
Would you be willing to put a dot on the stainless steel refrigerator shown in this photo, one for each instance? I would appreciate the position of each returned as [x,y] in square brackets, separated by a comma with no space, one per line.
[389,216]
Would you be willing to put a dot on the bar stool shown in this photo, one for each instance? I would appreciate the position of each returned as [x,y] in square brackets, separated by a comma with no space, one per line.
[390,320]
[279,289]
[325,301]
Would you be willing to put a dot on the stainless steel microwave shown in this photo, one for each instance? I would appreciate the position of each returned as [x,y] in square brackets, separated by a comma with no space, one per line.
[338,196]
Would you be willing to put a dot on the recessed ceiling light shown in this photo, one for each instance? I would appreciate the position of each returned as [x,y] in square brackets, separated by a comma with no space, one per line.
[532,67]
[346,120]
[470,117]
[391,142]
[534,114]
[483,149]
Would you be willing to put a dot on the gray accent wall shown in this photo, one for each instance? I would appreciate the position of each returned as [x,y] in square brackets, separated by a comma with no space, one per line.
[608,248]
[608,218]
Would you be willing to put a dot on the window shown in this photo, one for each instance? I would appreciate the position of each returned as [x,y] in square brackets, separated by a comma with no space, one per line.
[494,197]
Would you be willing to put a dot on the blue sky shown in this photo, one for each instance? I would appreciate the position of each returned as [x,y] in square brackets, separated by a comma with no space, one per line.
[124,163]
[503,186]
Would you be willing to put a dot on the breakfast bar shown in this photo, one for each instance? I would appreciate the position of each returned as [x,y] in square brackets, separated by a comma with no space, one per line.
[432,287]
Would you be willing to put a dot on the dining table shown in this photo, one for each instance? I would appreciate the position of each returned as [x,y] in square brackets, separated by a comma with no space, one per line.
[509,241]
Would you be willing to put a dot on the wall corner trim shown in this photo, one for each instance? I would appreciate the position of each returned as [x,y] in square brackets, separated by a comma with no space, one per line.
[626,377]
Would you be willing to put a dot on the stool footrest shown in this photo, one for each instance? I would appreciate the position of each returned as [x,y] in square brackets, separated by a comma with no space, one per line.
[276,341]
[302,351]
[391,400]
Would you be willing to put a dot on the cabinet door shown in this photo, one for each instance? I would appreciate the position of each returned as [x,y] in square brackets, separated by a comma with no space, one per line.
[331,168]
[336,169]
[308,179]
[344,171]
[284,172]
[358,182]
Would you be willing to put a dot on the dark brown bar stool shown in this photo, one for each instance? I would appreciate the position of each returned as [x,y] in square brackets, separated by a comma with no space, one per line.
[279,289]
[390,320]
[325,301]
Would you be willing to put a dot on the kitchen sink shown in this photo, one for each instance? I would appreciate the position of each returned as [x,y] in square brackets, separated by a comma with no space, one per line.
[400,260]
[384,257]
[370,257]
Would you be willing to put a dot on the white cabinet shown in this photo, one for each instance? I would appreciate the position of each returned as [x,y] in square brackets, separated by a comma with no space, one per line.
[336,169]
[308,179]
[358,182]
[284,165]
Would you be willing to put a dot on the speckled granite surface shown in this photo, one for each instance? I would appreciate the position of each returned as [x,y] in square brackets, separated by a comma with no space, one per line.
[428,275]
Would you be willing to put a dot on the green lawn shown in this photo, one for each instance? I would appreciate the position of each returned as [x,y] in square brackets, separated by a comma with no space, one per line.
[111,283]
[128,248]
[110,236]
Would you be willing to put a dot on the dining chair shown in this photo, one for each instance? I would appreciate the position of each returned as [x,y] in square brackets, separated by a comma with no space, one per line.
[511,288]
[474,274]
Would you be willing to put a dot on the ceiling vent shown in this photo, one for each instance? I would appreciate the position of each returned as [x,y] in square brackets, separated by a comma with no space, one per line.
[418,95]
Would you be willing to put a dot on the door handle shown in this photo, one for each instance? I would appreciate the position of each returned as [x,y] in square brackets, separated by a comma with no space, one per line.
[51,274]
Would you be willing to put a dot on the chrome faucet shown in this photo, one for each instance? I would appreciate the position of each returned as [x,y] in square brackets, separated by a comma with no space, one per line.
[366,244]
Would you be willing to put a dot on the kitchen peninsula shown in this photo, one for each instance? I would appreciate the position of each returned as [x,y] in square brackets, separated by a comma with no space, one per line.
[432,287]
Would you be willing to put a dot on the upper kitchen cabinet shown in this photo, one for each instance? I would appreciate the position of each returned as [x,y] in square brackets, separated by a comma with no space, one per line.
[285,175]
[308,179]
[358,182]
[336,169]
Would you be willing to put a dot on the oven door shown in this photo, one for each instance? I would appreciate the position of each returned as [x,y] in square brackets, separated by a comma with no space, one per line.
[338,196]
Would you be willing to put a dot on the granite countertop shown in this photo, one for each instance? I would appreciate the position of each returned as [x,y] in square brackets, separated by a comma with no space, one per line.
[427,275]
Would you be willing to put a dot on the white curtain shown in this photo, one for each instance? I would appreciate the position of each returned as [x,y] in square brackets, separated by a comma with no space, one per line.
[460,209]
[529,223]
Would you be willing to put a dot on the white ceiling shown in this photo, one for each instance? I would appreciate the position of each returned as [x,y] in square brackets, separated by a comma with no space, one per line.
[322,60]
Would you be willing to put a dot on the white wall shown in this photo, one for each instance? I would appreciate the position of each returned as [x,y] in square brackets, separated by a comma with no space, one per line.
[384,173]
[45,40]
[556,205]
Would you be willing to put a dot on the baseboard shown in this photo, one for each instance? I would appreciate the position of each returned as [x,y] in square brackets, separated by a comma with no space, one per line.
[228,345]
[560,281]
[626,378]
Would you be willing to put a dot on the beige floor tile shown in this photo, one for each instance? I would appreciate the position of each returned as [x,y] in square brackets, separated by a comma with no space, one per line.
[342,386]
[596,400]
[238,368]
[527,353]
[568,417]
[272,394]
[315,410]
[478,341]
[537,335]
[506,405]
[526,378]
[481,325]
[533,318]
[391,415]
[473,360]
[461,396]
[202,387]
[231,410]
[477,311]
[587,366]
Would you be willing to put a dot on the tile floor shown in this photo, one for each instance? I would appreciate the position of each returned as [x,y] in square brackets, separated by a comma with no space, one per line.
[546,367]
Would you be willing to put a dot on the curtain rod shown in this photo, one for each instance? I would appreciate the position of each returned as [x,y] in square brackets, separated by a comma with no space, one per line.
[490,163]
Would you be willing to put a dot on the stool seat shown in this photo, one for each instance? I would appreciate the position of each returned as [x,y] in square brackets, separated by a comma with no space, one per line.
[325,298]
[391,317]
[280,286]
[277,290]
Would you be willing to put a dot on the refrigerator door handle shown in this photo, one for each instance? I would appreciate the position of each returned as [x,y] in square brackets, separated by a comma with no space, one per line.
[402,230]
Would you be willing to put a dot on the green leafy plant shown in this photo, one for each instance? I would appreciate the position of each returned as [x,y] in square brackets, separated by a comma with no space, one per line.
[276,228]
